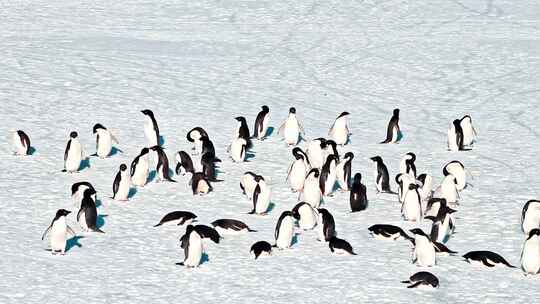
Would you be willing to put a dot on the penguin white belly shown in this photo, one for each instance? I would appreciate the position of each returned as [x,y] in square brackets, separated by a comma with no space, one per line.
[312,192]
[297,176]
[286,230]
[237,151]
[104,145]
[315,155]
[20,148]
[530,257]
[452,142]
[330,182]
[339,131]
[140,175]
[308,218]
[249,186]
[82,221]
[195,250]
[123,188]
[412,210]
[263,201]
[459,173]
[468,133]
[531,220]
[150,133]
[74,157]
[378,180]
[425,252]
[448,190]
[225,231]
[58,235]
[264,129]
[340,175]
[395,135]
[291,132]
[392,237]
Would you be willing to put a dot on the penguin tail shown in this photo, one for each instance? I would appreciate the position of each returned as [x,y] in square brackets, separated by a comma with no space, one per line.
[64,170]
[180,264]
[95,154]
[384,141]
[406,282]
[157,225]
[251,230]
[415,285]
[353,253]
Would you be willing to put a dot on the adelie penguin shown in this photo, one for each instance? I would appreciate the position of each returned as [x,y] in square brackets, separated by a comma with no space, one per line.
[291,128]
[411,208]
[121,184]
[231,227]
[326,225]
[261,196]
[200,184]
[339,246]
[151,129]
[530,216]
[315,152]
[177,218]
[58,230]
[455,136]
[261,123]
[140,168]
[327,180]
[87,215]
[261,248]
[421,279]
[530,255]
[104,140]
[486,258]
[192,244]
[184,163]
[21,143]
[393,132]
[382,179]
[73,154]
[238,149]
[388,232]
[296,175]
[311,193]
[358,196]
[339,131]
[162,166]
[305,215]
[248,183]
[469,132]
[194,136]
[207,148]
[331,149]
[242,131]
[343,172]
[443,224]
[284,231]
[424,251]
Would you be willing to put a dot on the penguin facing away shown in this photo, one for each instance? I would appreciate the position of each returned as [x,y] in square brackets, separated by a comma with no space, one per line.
[455,136]
[21,141]
[261,123]
[242,131]
[358,196]
[327,179]
[469,132]
[58,230]
[87,215]
[393,132]
[326,225]
[343,171]
[121,184]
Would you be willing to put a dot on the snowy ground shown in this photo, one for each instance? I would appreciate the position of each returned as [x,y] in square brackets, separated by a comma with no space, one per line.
[66,65]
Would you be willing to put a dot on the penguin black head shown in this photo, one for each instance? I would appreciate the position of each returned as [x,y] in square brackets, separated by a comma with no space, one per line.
[376,159]
[331,143]
[398,178]
[287,213]
[343,114]
[156,148]
[295,210]
[240,118]
[418,231]
[98,126]
[73,134]
[413,156]
[62,212]
[89,192]
[331,157]
[298,153]
[357,178]
[292,110]
[148,112]
[534,232]
[258,178]
[265,109]
[144,151]
[457,123]
[349,155]
[204,138]
[315,172]
[189,228]
[123,167]
[413,186]
[322,141]
[396,112]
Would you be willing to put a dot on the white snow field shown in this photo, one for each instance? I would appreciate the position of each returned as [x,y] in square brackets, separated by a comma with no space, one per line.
[66,65]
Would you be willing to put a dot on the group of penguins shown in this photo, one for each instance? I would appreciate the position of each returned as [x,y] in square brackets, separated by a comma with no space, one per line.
[314,173]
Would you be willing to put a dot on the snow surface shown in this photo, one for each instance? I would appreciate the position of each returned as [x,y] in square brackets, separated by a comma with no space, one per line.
[66,65]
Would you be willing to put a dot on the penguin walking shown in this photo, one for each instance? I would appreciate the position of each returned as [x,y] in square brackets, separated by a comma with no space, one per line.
[486,258]
[193,248]
[393,132]
[104,140]
[162,166]
[315,152]
[87,215]
[58,230]
[121,184]
[238,149]
[455,136]
[231,227]
[194,136]
[184,163]
[457,169]
[305,215]
[178,218]
[259,248]
[261,123]
[530,255]
[382,179]
[358,197]
[339,131]
[21,142]
[343,171]
[443,224]
[388,232]
[422,278]
[311,192]
[339,246]
[73,154]
[326,225]
[296,174]
[291,128]
[248,183]
[140,168]
[284,232]
[424,252]
[242,131]
[151,129]
[327,179]
[200,184]
[407,165]
[469,132]
[411,208]
[261,197]
[530,216]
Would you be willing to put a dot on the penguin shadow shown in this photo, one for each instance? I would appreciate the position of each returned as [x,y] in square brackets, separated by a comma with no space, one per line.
[400,136]
[100,221]
[74,242]
[161,140]
[295,239]
[269,132]
[132,192]
[31,151]
[115,151]
[151,176]
[271,207]
[249,155]
[98,203]
[85,163]
[204,258]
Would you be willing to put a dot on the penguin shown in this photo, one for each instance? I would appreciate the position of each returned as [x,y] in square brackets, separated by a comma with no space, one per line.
[424,252]
[242,131]
[339,246]
[21,141]
[177,217]
[448,189]
[358,196]
[193,248]
[305,215]
[422,278]
[194,136]
[382,178]
[261,123]
[87,215]
[425,189]
[208,162]
[207,147]
[140,168]
[455,136]
[486,258]
[315,152]
[261,247]
[230,227]
[469,132]
[443,224]
[327,179]
[343,171]
[393,132]
[73,154]
[184,163]
[162,166]
[339,131]
[441,249]
[238,149]
[433,206]
[77,191]
[411,209]
[326,225]
[407,164]
[404,181]
[457,169]
[311,192]
[59,230]
[296,175]
[530,216]
[200,184]
[530,255]
[284,232]
[104,140]
[121,184]
[331,149]
[261,197]
[151,129]
[388,232]
[248,183]
[291,128]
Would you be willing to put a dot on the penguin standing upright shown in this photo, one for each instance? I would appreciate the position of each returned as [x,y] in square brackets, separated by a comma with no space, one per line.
[162,166]
[305,215]
[140,168]
[315,153]
[443,224]
[184,163]
[296,174]
[242,131]
[407,164]
[58,230]
[151,129]
[21,141]
[530,216]
[261,123]
[469,132]
[192,244]
[121,184]
[339,131]
[424,251]
[530,255]
[343,171]
[326,225]
[261,196]
[73,154]
[358,197]
[327,180]
[291,128]
[411,209]
[311,192]
[104,140]
[87,215]
[382,179]
[284,232]
[393,132]
[194,136]
[238,150]
[455,136]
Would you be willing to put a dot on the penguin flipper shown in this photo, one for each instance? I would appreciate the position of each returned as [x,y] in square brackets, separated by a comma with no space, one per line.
[180,264]
[415,284]
[70,230]
[46,231]
[486,263]
[280,130]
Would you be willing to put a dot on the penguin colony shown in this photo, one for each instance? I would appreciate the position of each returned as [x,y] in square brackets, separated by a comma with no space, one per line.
[314,174]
